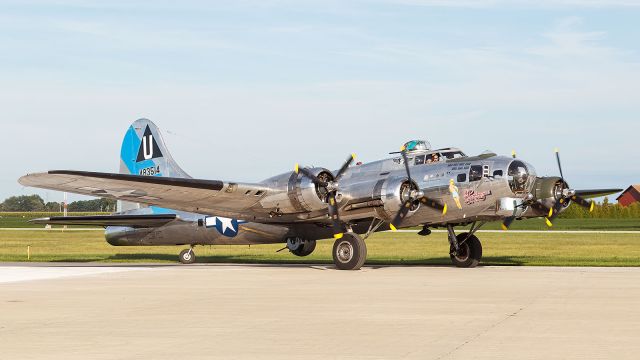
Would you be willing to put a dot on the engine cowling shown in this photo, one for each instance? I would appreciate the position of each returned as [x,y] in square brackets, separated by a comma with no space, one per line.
[548,190]
[310,196]
[394,192]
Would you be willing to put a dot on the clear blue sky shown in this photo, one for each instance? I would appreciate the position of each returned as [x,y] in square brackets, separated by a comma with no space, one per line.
[244,89]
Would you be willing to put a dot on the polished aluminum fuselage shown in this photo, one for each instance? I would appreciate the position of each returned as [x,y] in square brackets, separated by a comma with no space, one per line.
[366,192]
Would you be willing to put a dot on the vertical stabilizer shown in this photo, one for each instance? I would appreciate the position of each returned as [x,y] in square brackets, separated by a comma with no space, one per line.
[144,152]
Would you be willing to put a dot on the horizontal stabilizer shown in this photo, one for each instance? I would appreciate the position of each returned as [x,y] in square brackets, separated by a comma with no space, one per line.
[151,220]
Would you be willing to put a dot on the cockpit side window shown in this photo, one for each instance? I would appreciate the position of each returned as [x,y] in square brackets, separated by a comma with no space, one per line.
[453,155]
[475,173]
[433,158]
[419,160]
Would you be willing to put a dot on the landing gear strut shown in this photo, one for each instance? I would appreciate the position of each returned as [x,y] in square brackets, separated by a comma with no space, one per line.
[465,249]
[349,252]
[187,256]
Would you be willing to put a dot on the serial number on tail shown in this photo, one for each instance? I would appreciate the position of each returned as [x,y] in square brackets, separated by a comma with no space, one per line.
[150,171]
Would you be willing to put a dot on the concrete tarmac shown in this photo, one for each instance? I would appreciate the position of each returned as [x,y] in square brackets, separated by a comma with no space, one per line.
[70,311]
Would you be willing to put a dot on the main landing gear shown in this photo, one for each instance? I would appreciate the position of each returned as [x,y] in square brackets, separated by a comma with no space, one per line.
[465,248]
[187,256]
[301,247]
[349,252]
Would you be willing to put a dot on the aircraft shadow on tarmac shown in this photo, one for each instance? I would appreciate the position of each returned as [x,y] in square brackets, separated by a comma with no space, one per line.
[217,259]
[150,260]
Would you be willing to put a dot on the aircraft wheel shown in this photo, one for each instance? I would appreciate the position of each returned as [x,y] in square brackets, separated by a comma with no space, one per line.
[187,256]
[306,249]
[349,252]
[469,252]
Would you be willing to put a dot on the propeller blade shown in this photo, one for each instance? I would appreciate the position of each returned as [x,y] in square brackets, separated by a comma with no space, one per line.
[434,204]
[345,166]
[400,215]
[310,175]
[583,202]
[507,222]
[554,212]
[559,166]
[338,229]
[406,164]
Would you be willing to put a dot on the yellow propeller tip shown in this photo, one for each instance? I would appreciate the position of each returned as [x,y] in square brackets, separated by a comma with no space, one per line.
[592,206]
[550,213]
[444,209]
[353,156]
[504,227]
[556,150]
[549,224]
[297,168]
[338,236]
[393,227]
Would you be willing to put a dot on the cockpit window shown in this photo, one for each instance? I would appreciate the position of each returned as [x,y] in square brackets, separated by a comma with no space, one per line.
[433,158]
[453,155]
[419,160]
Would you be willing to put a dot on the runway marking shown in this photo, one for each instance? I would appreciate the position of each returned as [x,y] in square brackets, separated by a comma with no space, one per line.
[406,231]
[43,229]
[540,231]
[13,274]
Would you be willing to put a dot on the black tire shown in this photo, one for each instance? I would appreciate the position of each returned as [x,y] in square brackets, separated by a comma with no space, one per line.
[469,253]
[187,256]
[306,249]
[349,252]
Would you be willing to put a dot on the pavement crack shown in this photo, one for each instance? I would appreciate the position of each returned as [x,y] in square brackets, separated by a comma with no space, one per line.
[482,332]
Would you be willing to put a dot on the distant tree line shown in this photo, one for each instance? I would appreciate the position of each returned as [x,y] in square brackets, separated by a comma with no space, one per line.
[25,203]
[603,210]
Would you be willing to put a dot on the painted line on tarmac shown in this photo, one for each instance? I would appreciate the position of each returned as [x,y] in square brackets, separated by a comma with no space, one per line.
[42,229]
[13,274]
[539,231]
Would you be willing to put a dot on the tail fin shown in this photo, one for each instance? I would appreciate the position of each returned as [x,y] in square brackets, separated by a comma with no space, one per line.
[144,152]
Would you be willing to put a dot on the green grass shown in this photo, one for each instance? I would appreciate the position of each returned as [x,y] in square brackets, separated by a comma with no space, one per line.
[20,220]
[508,248]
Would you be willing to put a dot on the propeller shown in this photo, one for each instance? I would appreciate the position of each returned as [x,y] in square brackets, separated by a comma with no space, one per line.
[332,189]
[566,195]
[413,196]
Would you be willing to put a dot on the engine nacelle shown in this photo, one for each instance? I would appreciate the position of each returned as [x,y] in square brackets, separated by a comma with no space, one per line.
[394,192]
[547,191]
[311,196]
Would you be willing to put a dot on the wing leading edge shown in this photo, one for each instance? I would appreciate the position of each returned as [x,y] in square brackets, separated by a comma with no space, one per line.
[211,197]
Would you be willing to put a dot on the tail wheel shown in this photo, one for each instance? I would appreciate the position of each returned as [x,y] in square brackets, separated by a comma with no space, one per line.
[469,251]
[187,256]
[306,249]
[349,252]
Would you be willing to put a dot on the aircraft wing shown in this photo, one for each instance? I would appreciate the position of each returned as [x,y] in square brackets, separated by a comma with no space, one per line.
[151,220]
[211,197]
[596,192]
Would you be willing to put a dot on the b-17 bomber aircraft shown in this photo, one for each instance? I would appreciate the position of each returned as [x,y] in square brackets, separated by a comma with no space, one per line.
[160,204]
